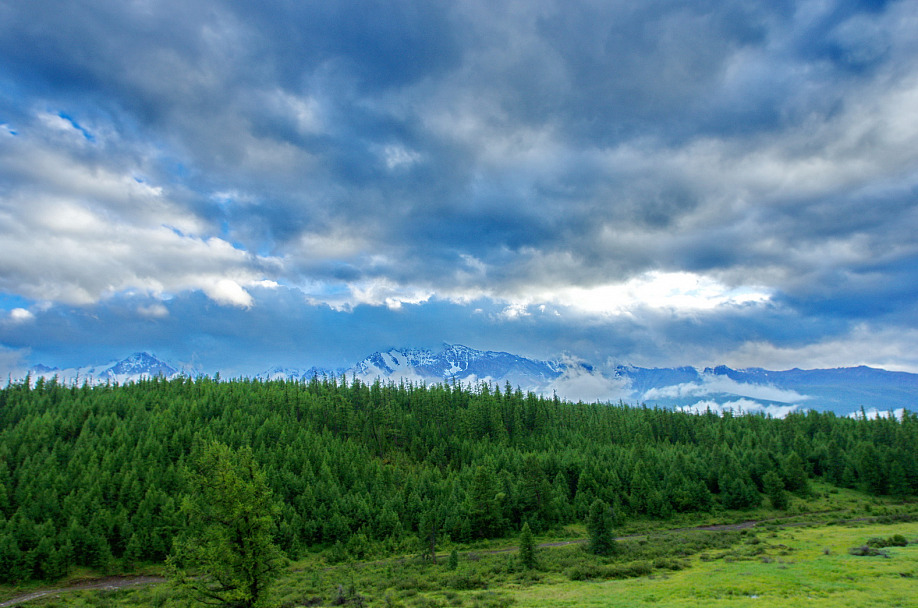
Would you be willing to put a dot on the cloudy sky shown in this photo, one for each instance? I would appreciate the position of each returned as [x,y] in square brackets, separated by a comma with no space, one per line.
[236,185]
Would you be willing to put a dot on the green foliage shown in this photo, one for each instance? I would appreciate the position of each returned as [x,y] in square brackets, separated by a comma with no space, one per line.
[226,554]
[896,540]
[599,527]
[867,551]
[527,551]
[89,476]
[774,489]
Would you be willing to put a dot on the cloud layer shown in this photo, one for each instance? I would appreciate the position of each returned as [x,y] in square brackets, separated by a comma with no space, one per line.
[729,182]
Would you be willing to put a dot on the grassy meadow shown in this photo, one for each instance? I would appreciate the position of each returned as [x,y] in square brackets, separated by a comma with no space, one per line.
[789,561]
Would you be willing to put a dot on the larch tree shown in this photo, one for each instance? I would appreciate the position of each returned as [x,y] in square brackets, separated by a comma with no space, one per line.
[599,527]
[226,555]
[527,548]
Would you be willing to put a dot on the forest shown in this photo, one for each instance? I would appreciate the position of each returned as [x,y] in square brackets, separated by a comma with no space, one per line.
[93,475]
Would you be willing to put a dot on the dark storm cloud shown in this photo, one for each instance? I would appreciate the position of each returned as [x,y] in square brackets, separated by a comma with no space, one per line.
[439,155]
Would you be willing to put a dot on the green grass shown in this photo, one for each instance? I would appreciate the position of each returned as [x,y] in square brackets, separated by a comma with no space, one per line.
[785,562]
[798,567]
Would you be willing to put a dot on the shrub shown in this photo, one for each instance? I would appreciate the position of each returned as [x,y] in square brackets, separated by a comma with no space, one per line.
[466,580]
[632,570]
[867,551]
[663,563]
[896,540]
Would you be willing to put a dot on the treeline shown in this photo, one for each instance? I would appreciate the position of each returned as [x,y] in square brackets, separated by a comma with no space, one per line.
[92,474]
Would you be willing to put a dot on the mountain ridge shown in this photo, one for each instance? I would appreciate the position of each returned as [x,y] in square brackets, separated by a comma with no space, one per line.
[719,388]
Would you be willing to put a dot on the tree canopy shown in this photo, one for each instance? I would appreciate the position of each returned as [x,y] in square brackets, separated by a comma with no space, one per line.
[226,554]
[93,475]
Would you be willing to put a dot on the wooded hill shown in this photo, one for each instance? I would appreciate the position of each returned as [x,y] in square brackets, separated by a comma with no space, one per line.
[94,474]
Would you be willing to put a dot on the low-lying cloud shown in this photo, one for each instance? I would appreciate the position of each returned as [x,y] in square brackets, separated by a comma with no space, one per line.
[739,407]
[717,384]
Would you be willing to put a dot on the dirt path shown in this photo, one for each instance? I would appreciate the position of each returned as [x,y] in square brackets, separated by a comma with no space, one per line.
[109,582]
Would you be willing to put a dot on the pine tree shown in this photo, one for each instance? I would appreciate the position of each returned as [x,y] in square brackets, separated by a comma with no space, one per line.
[599,527]
[774,489]
[898,481]
[527,548]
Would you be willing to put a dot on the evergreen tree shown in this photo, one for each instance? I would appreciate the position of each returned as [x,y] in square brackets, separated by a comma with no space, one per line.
[599,527]
[101,466]
[774,489]
[898,482]
[226,555]
[795,478]
[527,548]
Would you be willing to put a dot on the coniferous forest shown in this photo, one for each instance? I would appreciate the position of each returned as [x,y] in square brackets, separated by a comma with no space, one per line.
[90,475]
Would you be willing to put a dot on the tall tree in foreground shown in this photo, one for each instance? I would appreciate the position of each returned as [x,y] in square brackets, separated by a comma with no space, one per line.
[599,527]
[527,548]
[226,555]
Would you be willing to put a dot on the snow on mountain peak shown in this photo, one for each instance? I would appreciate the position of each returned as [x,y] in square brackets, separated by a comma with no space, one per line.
[130,369]
[841,390]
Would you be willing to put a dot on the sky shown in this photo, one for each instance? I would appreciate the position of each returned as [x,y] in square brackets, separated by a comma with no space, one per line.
[236,185]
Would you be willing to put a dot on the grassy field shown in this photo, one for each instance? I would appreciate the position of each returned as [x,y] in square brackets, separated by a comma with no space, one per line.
[800,566]
[797,560]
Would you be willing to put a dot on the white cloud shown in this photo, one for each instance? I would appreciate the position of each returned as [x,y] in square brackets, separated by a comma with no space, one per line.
[873,413]
[681,293]
[304,113]
[514,312]
[335,243]
[578,383]
[675,291]
[77,231]
[398,157]
[716,384]
[156,310]
[739,407]
[21,315]
[228,292]
[883,347]
[57,123]
[371,292]
[12,362]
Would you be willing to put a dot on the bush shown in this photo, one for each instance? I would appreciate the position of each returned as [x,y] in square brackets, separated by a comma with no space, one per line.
[632,570]
[867,551]
[896,540]
[464,582]
[663,563]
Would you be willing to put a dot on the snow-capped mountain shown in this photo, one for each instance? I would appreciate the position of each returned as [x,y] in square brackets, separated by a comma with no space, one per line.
[843,390]
[456,362]
[453,363]
[131,369]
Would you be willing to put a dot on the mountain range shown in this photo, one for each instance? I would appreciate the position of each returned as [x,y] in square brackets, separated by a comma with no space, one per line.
[844,391]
